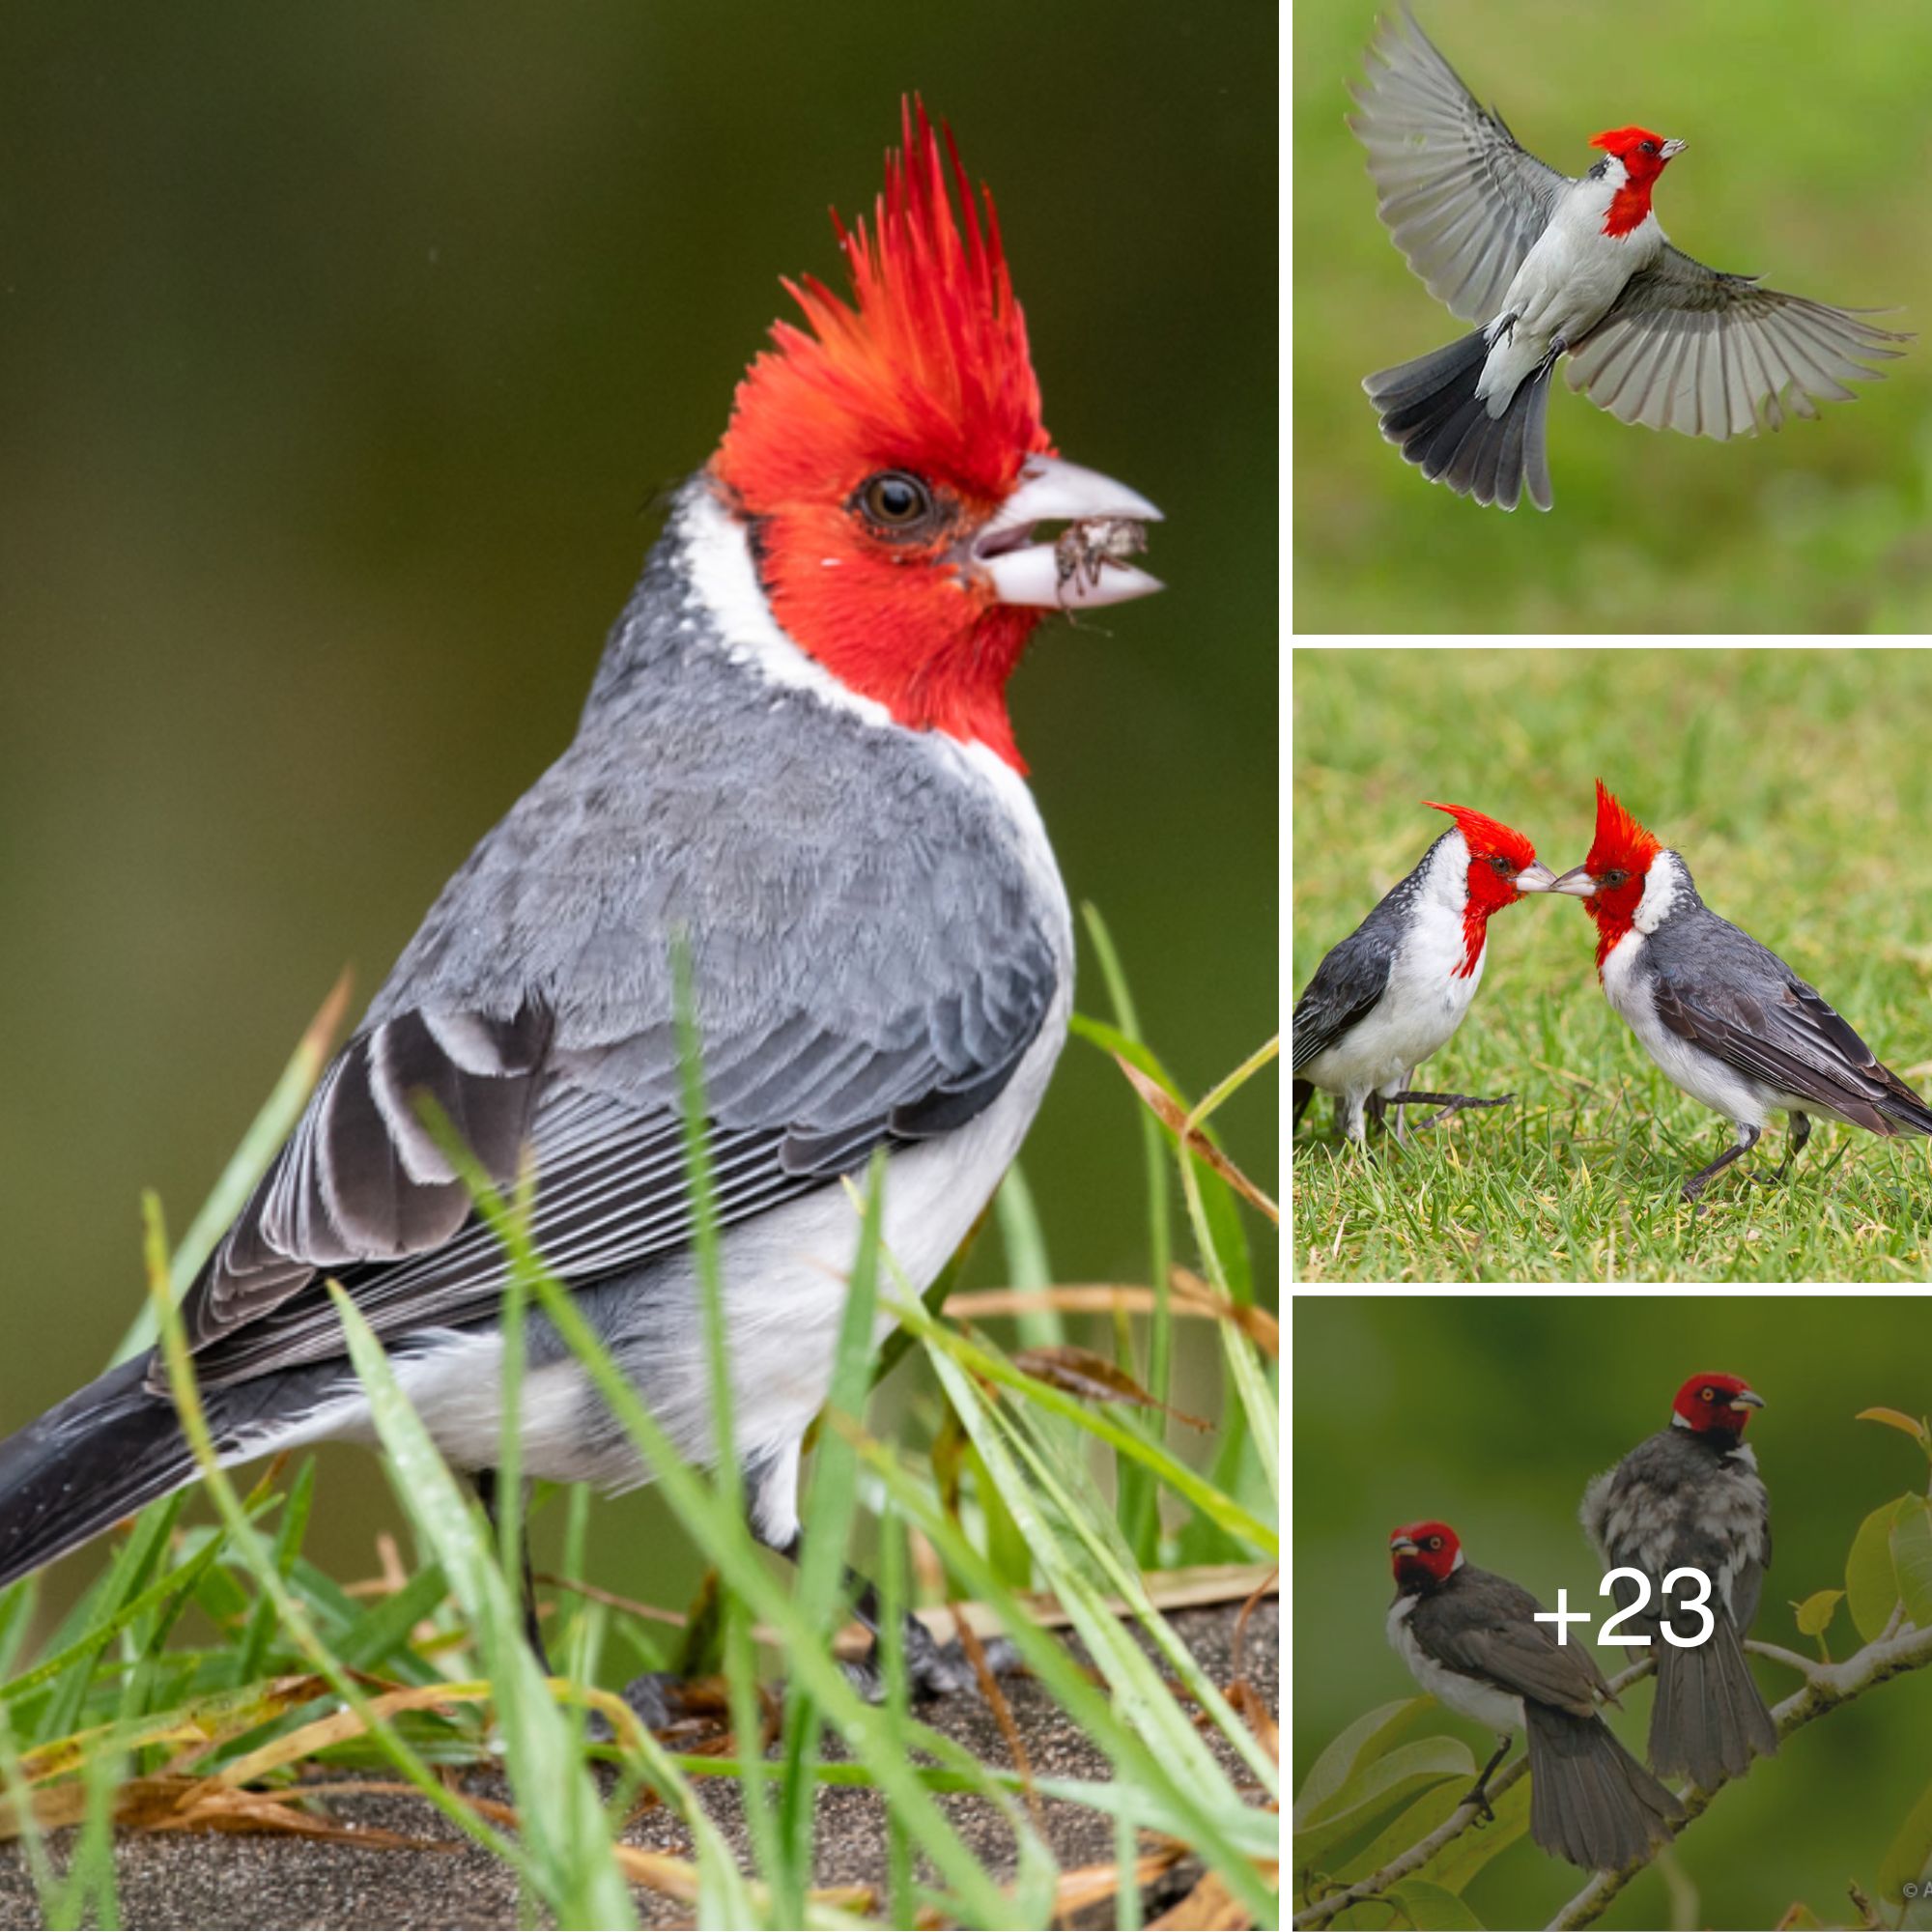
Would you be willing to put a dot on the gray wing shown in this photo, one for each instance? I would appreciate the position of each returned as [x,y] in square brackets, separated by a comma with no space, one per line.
[1347,984]
[856,984]
[1708,354]
[1786,1035]
[1493,1636]
[1461,199]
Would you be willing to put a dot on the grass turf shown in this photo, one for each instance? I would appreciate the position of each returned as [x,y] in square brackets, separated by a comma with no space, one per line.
[1796,786]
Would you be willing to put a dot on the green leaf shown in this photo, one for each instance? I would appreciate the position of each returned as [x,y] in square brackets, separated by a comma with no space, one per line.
[1434,1907]
[1911,1852]
[1912,1559]
[1871,1579]
[1370,1736]
[1407,1828]
[1463,1857]
[1377,1788]
[1815,1613]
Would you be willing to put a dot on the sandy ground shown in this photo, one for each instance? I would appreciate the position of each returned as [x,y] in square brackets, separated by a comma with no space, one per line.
[222,1880]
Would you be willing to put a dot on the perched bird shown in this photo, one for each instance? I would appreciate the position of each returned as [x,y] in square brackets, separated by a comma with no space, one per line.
[1472,1640]
[1547,265]
[1723,1016]
[1394,990]
[1690,1497]
[796,759]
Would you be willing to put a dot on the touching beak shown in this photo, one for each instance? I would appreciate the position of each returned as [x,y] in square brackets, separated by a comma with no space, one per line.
[1535,878]
[1402,1546]
[1670,148]
[1577,882]
[1747,1399]
[1086,566]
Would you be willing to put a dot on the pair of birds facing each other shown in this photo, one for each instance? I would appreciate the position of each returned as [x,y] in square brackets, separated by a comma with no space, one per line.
[1548,266]
[1686,1500]
[1724,1017]
[796,757]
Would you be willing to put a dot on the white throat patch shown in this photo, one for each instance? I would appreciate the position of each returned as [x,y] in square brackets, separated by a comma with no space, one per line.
[1662,886]
[725,586]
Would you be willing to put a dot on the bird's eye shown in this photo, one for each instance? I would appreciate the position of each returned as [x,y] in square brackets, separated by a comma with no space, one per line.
[894,501]
[1615,876]
[1650,147]
[1502,864]
[1435,1543]
[1710,1395]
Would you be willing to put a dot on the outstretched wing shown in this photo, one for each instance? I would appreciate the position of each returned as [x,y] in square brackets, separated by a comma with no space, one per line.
[1691,348]
[1462,200]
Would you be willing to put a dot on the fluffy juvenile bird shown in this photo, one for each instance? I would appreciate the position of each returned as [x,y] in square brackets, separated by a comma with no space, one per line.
[1472,1640]
[1547,265]
[1724,1017]
[1690,1497]
[796,755]
[1394,990]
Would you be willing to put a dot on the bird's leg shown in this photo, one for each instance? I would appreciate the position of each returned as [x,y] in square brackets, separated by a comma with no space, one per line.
[1479,1791]
[1304,1092]
[1747,1139]
[1449,1103]
[1794,1146]
[484,1483]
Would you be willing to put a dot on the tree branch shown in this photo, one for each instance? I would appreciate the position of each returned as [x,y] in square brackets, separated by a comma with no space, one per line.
[1454,1826]
[1827,1685]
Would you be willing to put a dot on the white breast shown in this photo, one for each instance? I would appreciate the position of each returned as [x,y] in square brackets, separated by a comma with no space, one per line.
[1464,1695]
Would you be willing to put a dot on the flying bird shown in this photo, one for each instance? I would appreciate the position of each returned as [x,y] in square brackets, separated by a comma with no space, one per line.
[1396,990]
[1473,1640]
[1724,1017]
[1548,265]
[1690,1497]
[796,759]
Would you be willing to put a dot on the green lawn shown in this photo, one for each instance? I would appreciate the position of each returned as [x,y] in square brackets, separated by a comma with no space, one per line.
[1797,788]
[1806,164]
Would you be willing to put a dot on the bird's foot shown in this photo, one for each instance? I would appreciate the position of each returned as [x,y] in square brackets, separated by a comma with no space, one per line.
[933,1669]
[1479,1796]
[1449,1103]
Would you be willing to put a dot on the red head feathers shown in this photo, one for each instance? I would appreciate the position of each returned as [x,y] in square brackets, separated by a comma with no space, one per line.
[1645,156]
[1619,863]
[1421,1550]
[927,367]
[1497,855]
[869,451]
[1719,1404]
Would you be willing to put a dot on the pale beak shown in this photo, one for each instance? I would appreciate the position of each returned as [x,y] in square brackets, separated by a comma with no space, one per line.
[1085,567]
[1535,878]
[1577,882]
[1402,1546]
[1670,148]
[1747,1399]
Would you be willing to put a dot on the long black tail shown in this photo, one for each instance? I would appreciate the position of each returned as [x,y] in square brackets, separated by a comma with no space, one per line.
[102,1455]
[1709,1720]
[1590,1802]
[1429,409]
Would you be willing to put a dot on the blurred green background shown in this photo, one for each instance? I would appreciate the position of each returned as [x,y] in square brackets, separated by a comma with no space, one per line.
[1809,152]
[343,352]
[1797,787]
[1492,1413]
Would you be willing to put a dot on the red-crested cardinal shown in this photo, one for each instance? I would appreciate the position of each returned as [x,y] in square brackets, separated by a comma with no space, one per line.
[796,757]
[1724,1017]
[1471,1640]
[1394,990]
[1690,1497]
[1549,266]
